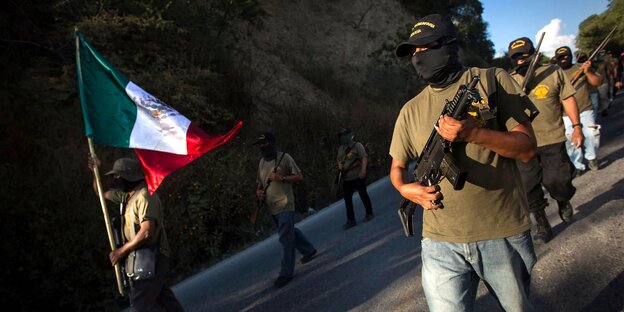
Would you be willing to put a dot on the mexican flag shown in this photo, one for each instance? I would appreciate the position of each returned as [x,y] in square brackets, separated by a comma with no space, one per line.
[118,113]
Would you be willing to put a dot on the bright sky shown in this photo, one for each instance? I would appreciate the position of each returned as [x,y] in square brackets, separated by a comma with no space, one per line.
[508,20]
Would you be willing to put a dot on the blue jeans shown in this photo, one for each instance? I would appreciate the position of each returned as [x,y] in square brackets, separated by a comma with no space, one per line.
[595,99]
[451,272]
[290,238]
[591,132]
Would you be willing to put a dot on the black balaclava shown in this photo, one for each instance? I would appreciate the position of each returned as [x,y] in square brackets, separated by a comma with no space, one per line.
[124,185]
[524,67]
[565,65]
[269,152]
[564,57]
[439,67]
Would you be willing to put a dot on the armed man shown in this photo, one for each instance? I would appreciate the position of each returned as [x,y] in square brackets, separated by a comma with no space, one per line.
[551,92]
[142,229]
[467,230]
[583,87]
[352,161]
[277,171]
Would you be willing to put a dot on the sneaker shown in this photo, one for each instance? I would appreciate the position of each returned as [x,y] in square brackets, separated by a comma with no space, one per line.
[592,164]
[305,259]
[369,217]
[281,281]
[565,211]
[349,224]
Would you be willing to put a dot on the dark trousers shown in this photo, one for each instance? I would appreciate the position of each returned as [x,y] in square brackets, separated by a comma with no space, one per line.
[152,294]
[348,188]
[552,168]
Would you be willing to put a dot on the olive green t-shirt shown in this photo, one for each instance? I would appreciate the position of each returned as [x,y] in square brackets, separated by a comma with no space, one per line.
[547,89]
[142,206]
[279,195]
[352,160]
[583,89]
[492,204]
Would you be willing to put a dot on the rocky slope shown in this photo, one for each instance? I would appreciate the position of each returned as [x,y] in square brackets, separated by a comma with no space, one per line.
[320,52]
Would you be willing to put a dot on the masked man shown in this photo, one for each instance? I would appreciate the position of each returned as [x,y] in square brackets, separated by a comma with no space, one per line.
[143,227]
[277,172]
[352,162]
[482,230]
[591,131]
[552,93]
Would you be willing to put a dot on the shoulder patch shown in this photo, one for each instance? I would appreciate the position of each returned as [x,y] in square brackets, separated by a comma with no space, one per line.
[541,91]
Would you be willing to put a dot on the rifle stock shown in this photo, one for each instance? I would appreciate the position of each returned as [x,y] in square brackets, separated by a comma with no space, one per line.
[579,73]
[435,162]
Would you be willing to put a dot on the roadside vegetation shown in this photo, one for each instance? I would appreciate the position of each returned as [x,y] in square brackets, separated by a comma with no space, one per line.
[54,245]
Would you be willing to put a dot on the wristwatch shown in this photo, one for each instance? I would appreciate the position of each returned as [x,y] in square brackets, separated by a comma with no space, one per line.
[577,125]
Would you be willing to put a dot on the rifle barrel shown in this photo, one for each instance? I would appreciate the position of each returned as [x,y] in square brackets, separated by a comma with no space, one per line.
[601,46]
[529,73]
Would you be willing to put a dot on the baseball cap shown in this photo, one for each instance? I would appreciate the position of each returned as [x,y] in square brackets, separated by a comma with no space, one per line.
[265,137]
[344,131]
[521,46]
[426,30]
[563,51]
[128,169]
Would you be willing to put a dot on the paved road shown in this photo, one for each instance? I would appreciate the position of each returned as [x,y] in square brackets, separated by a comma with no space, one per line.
[374,267]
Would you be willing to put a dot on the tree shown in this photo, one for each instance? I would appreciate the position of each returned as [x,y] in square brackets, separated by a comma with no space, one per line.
[477,49]
[596,27]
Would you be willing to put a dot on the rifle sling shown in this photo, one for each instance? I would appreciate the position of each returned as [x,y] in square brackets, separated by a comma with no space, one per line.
[537,78]
[491,88]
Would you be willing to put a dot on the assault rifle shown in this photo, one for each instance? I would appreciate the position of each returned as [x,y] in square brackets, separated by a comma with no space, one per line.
[261,202]
[435,162]
[579,73]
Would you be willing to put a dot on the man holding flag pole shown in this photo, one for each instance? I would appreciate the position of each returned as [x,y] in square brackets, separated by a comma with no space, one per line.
[118,113]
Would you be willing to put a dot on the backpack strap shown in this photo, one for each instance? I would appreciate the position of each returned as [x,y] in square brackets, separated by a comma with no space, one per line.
[491,88]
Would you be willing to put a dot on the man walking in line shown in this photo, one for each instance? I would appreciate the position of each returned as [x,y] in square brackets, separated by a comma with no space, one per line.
[482,231]
[552,93]
[277,172]
[352,163]
[590,130]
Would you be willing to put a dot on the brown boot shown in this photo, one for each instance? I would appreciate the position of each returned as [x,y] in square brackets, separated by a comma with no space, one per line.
[544,232]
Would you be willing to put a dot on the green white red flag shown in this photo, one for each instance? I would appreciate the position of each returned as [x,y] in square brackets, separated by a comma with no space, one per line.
[118,113]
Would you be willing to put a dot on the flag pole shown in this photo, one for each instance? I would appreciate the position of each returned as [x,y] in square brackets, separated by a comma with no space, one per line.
[98,182]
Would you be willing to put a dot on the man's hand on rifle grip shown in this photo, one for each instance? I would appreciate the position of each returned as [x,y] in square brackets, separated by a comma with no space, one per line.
[454,130]
[423,195]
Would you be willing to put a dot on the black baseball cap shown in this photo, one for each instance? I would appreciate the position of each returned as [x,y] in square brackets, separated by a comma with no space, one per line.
[344,131]
[563,51]
[265,137]
[521,46]
[426,30]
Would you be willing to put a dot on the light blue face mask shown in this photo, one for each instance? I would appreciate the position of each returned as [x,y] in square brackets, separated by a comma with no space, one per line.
[346,139]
